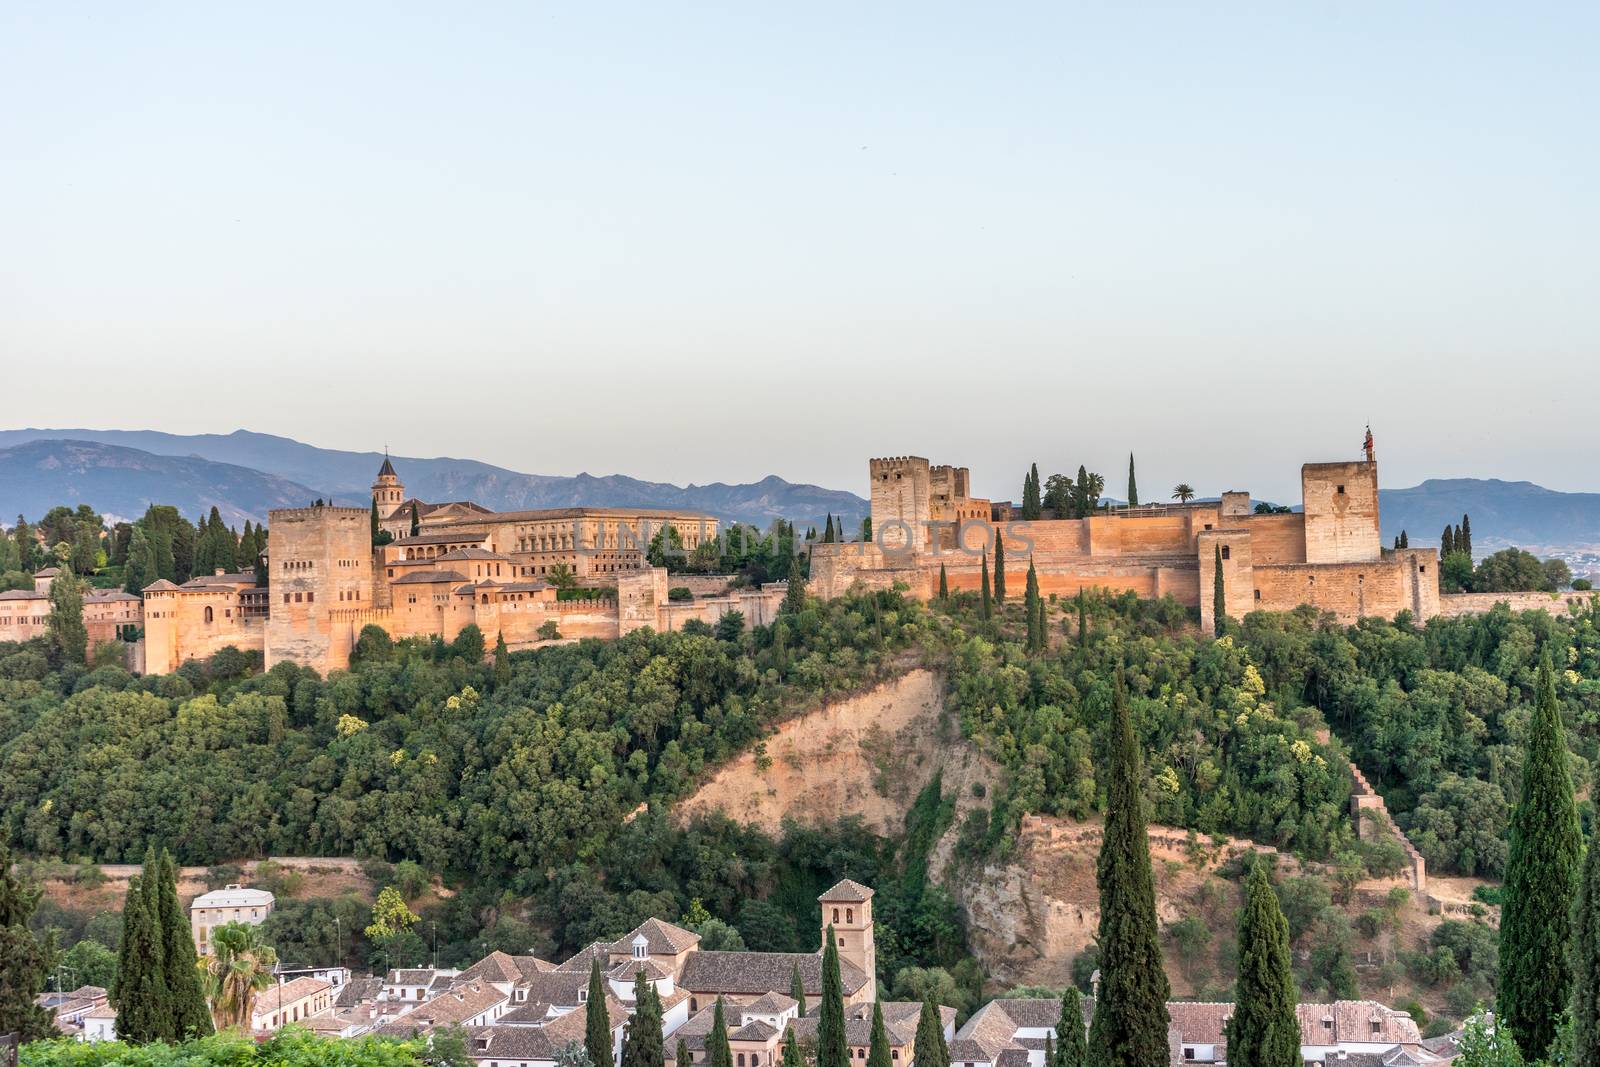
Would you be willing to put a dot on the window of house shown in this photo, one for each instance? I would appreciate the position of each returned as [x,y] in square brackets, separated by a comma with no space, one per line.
[209,615]
[1226,554]
[835,914]
[1341,490]
[741,1059]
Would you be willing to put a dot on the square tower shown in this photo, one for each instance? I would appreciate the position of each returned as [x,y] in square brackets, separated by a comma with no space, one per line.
[319,560]
[901,503]
[1341,508]
[847,908]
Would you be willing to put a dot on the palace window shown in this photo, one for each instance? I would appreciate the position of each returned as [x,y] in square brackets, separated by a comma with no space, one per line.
[209,614]
[1225,553]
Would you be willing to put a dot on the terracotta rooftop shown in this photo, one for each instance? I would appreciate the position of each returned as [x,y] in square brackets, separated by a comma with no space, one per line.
[847,892]
[746,973]
[661,938]
[429,578]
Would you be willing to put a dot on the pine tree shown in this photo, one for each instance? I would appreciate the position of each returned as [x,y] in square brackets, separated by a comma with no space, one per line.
[681,1057]
[1541,879]
[1072,1045]
[139,991]
[718,1054]
[1264,1030]
[944,585]
[832,1051]
[1586,951]
[1130,1013]
[644,1045]
[929,1049]
[25,958]
[596,1020]
[191,1016]
[416,528]
[878,1043]
[797,990]
[69,637]
[985,605]
[1464,536]
[1219,598]
[1133,484]
[502,661]
[999,567]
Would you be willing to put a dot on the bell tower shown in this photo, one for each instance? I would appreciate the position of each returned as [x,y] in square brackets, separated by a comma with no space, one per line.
[387,492]
[847,907]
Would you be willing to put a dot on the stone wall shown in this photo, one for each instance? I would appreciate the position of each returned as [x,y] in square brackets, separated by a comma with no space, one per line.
[1371,817]
[185,624]
[1478,603]
[320,561]
[901,501]
[1341,511]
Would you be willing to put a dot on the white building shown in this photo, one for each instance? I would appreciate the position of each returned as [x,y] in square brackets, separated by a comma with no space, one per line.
[230,904]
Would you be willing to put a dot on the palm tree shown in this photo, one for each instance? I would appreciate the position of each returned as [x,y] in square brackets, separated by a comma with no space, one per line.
[1183,492]
[241,965]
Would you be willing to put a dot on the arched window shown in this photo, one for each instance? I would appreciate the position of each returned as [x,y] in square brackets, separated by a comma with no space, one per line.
[208,613]
[849,915]
[836,915]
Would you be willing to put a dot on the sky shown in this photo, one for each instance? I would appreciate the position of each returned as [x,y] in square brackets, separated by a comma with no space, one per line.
[704,242]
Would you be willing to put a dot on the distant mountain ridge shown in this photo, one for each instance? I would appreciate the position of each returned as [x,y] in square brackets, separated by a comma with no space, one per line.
[346,477]
[1519,513]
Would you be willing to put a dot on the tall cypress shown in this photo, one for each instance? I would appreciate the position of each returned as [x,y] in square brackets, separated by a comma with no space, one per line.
[999,567]
[502,661]
[718,1054]
[681,1057]
[1031,507]
[644,1045]
[985,605]
[878,1043]
[1264,1030]
[1133,484]
[1447,542]
[25,958]
[1130,1013]
[1464,535]
[1219,599]
[832,1050]
[1083,619]
[1072,1044]
[1546,846]
[191,1016]
[139,991]
[944,584]
[1586,950]
[930,1049]
[375,526]
[1030,603]
[416,528]
[69,635]
[596,1020]
[797,990]
[791,1051]
[1405,540]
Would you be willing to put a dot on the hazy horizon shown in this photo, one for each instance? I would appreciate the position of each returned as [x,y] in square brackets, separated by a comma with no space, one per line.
[711,244]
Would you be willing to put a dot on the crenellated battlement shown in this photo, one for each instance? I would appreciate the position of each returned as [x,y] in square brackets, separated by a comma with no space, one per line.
[278,515]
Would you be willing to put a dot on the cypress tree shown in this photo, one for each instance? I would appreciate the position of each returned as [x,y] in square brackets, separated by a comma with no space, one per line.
[1031,508]
[1072,1045]
[1586,950]
[944,584]
[1264,1030]
[1130,1013]
[375,527]
[999,568]
[985,605]
[191,1016]
[1031,603]
[1541,878]
[416,528]
[718,1054]
[596,1020]
[139,991]
[25,958]
[797,990]
[878,1044]
[1133,484]
[644,1046]
[1219,599]
[1464,535]
[1083,619]
[1050,1050]
[791,1051]
[794,601]
[1447,542]
[681,1057]
[930,1049]
[1405,541]
[502,661]
[68,634]
[832,1051]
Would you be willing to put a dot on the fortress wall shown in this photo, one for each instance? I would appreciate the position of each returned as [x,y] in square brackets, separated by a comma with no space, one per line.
[1238,574]
[1277,538]
[176,629]
[1065,537]
[1350,590]
[758,606]
[1476,603]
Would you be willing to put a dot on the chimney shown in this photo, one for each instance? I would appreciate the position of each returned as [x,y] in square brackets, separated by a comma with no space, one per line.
[219,572]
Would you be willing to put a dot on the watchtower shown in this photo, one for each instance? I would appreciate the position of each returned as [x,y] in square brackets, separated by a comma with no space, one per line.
[847,908]
[901,503]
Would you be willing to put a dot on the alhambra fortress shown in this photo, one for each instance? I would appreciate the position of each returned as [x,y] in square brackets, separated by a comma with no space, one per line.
[454,564]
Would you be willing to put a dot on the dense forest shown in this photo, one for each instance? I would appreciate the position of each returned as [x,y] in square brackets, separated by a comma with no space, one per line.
[537,784]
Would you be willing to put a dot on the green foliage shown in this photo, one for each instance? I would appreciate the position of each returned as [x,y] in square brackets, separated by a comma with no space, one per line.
[1541,879]
[878,1042]
[1586,953]
[644,1045]
[1072,1043]
[1133,484]
[25,957]
[185,999]
[293,1047]
[1032,507]
[140,991]
[1511,570]
[597,1021]
[1219,598]
[987,604]
[999,567]
[1130,1017]
[69,637]
[1264,1030]
[929,1048]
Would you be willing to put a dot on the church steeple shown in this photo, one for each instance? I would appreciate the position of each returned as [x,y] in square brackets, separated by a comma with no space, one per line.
[387,492]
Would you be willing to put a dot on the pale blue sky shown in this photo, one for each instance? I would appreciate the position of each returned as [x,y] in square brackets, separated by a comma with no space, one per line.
[696,242]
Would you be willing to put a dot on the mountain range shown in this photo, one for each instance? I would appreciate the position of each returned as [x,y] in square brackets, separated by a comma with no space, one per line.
[120,472]
[245,474]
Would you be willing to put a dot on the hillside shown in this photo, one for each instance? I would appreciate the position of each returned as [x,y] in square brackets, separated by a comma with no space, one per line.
[123,482]
[347,477]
